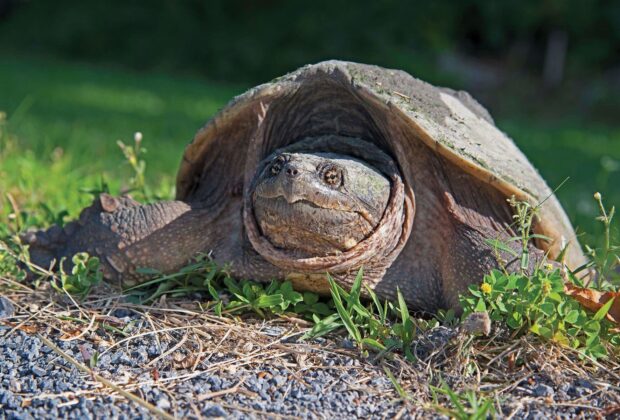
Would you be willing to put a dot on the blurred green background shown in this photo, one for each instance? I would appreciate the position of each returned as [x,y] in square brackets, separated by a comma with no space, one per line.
[76,76]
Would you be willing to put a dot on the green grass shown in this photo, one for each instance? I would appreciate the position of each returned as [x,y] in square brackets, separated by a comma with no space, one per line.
[66,119]
[587,153]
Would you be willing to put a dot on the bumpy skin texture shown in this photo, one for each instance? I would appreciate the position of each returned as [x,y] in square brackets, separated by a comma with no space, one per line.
[115,230]
[427,176]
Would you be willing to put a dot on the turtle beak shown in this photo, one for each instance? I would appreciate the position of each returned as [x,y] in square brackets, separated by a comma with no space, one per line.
[291,188]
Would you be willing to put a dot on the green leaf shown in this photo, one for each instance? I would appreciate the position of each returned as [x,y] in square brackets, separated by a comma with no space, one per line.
[556,297]
[311,298]
[373,343]
[353,298]
[218,308]
[272,288]
[321,308]
[521,283]
[600,314]
[592,327]
[248,291]
[593,340]
[572,316]
[597,351]
[542,331]
[323,326]
[380,308]
[480,306]
[404,312]
[268,301]
[147,271]
[547,308]
[500,305]
[233,287]
[345,316]
[525,260]
[539,236]
[290,296]
[515,321]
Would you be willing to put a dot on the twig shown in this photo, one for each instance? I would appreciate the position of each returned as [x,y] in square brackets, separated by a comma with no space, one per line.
[169,351]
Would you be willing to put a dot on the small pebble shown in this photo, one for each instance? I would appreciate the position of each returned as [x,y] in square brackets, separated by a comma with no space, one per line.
[215,411]
[7,309]
[163,403]
[38,371]
[542,390]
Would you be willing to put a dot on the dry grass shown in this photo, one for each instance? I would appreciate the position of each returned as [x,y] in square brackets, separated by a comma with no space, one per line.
[201,343]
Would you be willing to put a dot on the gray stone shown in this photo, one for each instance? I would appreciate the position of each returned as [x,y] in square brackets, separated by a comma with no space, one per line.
[542,390]
[7,309]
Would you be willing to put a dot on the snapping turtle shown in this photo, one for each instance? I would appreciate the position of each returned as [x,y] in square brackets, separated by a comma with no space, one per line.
[335,166]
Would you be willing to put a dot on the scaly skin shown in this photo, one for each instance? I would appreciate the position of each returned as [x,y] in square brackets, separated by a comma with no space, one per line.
[115,230]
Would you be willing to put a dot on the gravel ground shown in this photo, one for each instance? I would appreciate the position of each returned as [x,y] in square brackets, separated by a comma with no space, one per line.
[266,373]
[36,383]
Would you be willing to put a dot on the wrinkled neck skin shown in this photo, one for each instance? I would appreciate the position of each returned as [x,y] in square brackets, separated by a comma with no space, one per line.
[315,207]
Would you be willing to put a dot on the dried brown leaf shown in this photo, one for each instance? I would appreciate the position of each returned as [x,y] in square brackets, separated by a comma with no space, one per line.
[594,300]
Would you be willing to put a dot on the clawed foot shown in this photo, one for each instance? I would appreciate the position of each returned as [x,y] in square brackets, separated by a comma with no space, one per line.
[49,246]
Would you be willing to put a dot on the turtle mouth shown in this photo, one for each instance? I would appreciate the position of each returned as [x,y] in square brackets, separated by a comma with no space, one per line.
[301,204]
[309,229]
[360,211]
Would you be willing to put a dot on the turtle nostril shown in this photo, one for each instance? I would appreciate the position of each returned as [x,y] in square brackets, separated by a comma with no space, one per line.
[292,172]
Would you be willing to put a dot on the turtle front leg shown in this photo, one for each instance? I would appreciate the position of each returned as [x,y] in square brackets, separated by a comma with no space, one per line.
[125,235]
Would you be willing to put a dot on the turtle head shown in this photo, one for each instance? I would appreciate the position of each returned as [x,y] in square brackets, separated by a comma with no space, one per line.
[317,204]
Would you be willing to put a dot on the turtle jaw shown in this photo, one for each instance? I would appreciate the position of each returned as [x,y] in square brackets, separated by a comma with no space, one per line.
[307,229]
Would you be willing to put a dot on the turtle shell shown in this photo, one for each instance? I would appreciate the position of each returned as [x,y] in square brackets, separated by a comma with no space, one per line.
[387,107]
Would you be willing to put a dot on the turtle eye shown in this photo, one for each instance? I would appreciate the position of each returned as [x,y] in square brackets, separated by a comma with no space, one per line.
[277,164]
[331,175]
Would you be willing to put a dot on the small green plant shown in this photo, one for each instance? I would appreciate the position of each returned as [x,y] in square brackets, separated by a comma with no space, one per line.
[465,406]
[229,295]
[375,326]
[85,274]
[133,155]
[524,217]
[539,304]
[606,258]
[276,297]
[197,276]
[9,260]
